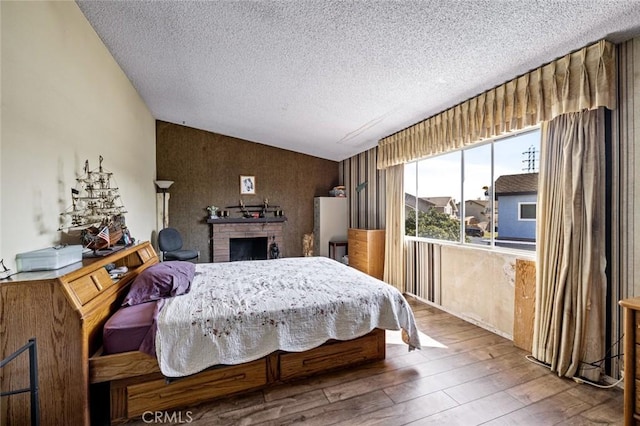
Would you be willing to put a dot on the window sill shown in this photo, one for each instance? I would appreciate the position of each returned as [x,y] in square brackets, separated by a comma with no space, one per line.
[524,254]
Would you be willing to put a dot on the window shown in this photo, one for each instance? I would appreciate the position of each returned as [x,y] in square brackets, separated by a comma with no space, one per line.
[431,203]
[527,211]
[477,178]
[498,182]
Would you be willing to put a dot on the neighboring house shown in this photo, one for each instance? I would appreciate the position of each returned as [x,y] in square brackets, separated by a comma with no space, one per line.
[477,213]
[517,195]
[445,204]
[410,203]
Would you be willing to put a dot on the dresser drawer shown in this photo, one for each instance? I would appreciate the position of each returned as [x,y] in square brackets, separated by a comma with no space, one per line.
[637,326]
[89,286]
[357,248]
[328,356]
[159,395]
[358,235]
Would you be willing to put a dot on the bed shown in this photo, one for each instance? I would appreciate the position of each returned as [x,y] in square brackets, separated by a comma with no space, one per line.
[234,313]
[81,299]
[240,326]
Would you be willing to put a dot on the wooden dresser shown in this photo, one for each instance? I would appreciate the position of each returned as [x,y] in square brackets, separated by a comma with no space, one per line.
[631,360]
[64,310]
[366,251]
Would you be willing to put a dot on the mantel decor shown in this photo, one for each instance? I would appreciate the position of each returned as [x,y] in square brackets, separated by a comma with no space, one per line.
[255,211]
[221,220]
[213,211]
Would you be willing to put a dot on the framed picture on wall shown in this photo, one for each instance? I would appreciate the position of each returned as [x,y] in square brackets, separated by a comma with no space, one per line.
[247,185]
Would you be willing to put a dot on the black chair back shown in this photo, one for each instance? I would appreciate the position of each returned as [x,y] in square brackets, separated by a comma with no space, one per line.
[169,239]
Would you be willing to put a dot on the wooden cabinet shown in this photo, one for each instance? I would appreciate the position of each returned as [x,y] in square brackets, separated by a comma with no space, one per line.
[64,310]
[631,360]
[366,251]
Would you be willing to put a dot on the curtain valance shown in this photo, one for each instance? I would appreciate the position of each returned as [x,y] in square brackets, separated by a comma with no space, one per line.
[584,79]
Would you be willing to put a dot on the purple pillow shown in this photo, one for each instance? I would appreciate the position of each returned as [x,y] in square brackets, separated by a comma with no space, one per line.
[166,279]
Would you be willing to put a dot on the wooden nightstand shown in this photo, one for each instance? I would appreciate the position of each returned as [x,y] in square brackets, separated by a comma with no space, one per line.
[631,371]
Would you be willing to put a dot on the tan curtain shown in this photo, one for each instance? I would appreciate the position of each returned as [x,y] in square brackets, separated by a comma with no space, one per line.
[584,79]
[393,248]
[570,287]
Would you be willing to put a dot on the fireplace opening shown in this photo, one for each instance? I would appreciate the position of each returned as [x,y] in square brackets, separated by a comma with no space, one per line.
[247,248]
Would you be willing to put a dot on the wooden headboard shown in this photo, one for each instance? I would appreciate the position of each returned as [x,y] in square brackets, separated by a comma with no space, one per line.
[65,311]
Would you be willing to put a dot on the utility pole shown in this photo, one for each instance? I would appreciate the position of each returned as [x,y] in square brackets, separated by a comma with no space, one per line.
[530,159]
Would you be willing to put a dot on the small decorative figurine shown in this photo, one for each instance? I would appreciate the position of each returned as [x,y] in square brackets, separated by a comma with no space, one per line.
[307,245]
[274,251]
[213,212]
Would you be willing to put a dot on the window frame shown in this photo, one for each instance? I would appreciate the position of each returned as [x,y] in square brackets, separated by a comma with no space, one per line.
[528,203]
[461,211]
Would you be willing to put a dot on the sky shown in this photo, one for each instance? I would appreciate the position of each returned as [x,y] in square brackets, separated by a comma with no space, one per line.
[440,176]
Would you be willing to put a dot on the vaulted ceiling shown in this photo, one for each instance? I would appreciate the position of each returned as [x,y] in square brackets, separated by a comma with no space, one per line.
[331,78]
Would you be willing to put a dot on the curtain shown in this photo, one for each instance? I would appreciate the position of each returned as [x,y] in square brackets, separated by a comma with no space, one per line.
[584,79]
[393,247]
[570,279]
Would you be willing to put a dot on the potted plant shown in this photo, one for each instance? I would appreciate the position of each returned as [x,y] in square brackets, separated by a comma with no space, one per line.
[213,212]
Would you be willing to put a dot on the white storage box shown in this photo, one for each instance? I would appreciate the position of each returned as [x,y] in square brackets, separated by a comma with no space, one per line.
[48,259]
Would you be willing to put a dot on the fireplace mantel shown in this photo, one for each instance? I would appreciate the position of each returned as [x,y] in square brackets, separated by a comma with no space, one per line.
[246,220]
[223,229]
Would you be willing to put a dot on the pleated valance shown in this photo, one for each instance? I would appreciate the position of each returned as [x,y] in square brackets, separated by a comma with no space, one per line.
[584,79]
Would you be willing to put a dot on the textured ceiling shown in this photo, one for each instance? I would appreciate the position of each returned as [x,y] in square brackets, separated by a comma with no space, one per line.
[331,78]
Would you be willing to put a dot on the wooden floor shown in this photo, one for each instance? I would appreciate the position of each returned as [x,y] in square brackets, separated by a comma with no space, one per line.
[464,375]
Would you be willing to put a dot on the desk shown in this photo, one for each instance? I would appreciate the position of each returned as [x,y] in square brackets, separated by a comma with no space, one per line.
[334,244]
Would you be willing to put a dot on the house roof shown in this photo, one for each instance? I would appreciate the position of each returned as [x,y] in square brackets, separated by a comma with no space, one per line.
[524,183]
[482,203]
[439,201]
[425,203]
[330,78]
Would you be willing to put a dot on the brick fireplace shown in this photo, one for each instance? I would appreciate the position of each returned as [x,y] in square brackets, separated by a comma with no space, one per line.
[222,230]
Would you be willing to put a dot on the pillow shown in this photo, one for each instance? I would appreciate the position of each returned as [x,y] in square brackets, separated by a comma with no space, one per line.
[166,279]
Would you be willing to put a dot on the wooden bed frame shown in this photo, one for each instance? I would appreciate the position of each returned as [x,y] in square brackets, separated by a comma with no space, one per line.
[66,309]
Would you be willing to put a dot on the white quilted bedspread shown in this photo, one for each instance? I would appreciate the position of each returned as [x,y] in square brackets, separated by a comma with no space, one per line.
[240,311]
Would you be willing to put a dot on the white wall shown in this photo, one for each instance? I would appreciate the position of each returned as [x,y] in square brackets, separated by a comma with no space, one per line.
[65,100]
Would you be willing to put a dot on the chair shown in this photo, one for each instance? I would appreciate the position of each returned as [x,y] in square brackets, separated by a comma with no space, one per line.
[33,378]
[170,244]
